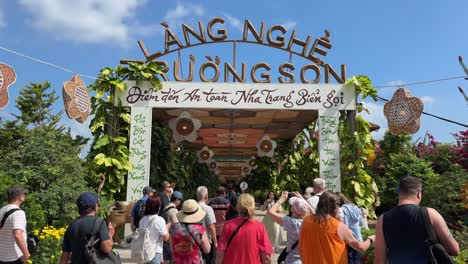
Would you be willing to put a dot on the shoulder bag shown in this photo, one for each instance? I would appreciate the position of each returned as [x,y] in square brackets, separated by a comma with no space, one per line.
[92,251]
[436,252]
[30,240]
[284,253]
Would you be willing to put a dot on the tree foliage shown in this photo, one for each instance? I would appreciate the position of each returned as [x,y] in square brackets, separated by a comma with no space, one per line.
[42,155]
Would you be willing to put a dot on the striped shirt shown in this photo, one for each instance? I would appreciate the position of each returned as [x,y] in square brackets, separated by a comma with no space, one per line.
[9,250]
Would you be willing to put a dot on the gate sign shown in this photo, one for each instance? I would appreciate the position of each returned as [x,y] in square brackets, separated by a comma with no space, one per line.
[240,96]
[243,186]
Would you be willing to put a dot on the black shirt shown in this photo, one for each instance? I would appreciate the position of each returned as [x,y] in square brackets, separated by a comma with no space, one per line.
[405,234]
[72,241]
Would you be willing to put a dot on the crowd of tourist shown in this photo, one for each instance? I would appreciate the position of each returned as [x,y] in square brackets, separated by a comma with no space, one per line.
[322,227]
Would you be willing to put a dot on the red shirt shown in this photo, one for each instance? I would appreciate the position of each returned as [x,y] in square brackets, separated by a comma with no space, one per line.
[246,246]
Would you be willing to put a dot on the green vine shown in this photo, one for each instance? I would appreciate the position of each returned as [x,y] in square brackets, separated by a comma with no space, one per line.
[110,125]
[357,151]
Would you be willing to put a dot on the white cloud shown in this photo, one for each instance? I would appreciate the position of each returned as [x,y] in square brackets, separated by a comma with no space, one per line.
[90,21]
[235,23]
[177,15]
[427,99]
[377,117]
[395,83]
[289,24]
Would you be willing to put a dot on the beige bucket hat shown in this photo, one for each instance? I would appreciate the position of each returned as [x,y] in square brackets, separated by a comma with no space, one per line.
[191,212]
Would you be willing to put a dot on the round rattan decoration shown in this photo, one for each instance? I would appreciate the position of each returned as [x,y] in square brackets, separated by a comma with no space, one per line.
[184,127]
[266,147]
[7,78]
[403,112]
[252,162]
[76,99]
[213,165]
[204,155]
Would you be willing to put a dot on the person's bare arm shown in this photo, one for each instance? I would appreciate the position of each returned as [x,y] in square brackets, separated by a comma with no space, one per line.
[380,256]
[18,234]
[265,205]
[65,258]
[273,211]
[106,245]
[347,235]
[219,256]
[205,244]
[442,233]
[213,235]
[265,258]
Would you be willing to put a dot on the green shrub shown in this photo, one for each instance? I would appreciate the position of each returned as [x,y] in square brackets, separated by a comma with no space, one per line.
[443,193]
[49,247]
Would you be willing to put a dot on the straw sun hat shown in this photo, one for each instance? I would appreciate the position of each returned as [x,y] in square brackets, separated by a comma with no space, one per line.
[191,212]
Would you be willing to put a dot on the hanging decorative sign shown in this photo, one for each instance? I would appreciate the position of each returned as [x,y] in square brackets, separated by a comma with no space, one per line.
[7,78]
[403,112]
[238,96]
[184,127]
[266,147]
[204,155]
[243,186]
[312,49]
[76,99]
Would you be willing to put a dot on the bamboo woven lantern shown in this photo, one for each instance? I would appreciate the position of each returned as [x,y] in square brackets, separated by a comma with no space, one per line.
[76,99]
[403,112]
[7,78]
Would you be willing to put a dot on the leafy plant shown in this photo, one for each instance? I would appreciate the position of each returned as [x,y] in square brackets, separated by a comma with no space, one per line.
[49,246]
[444,193]
[401,165]
[111,123]
[460,150]
[357,150]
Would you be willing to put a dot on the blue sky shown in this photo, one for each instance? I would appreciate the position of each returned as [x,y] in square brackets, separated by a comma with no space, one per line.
[392,42]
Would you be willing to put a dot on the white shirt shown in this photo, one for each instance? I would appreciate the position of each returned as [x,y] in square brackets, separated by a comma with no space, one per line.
[157,230]
[313,201]
[208,219]
[9,250]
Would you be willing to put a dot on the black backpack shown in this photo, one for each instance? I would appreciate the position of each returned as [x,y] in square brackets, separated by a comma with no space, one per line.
[92,253]
[139,212]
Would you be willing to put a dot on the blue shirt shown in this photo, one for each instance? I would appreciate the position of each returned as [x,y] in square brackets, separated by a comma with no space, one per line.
[353,219]
[144,199]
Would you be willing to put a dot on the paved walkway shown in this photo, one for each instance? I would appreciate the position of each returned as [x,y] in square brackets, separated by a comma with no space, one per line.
[125,254]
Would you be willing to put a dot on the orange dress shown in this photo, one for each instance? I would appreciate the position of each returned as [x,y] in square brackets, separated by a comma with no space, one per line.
[319,243]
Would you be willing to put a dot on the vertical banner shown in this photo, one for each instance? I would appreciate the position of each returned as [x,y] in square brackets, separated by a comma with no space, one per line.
[140,147]
[329,149]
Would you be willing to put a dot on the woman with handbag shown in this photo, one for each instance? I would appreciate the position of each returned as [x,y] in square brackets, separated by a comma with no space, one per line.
[188,237]
[244,240]
[157,228]
[292,225]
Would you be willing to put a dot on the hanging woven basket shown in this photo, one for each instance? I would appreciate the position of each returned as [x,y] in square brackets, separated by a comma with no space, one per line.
[403,112]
